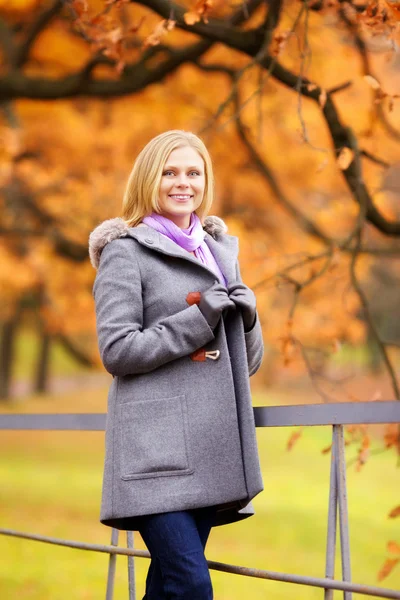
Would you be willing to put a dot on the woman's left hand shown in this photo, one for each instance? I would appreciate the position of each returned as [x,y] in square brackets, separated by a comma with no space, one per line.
[245,299]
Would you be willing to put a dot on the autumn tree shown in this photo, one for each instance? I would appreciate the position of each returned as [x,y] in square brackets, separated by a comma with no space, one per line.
[248,71]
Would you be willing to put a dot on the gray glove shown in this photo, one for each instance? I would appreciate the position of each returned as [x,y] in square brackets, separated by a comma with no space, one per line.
[212,302]
[245,299]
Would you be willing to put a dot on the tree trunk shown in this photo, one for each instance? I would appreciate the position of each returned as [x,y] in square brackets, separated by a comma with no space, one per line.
[7,343]
[43,364]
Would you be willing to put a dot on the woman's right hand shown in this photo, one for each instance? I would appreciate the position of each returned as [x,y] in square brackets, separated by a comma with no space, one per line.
[213,301]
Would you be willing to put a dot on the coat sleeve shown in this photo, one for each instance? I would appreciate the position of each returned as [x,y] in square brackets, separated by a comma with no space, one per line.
[253,339]
[125,347]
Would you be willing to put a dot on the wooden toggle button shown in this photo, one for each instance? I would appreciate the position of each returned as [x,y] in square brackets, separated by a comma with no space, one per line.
[193,298]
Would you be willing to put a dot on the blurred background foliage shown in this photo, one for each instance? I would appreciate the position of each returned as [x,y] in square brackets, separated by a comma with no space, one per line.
[84,85]
[298,102]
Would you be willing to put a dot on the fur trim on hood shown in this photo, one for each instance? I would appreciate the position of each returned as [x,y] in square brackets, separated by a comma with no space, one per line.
[116,228]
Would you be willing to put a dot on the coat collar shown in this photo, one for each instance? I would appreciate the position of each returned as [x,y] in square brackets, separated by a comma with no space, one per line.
[224,247]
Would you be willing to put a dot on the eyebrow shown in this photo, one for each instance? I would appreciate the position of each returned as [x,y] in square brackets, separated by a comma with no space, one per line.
[176,168]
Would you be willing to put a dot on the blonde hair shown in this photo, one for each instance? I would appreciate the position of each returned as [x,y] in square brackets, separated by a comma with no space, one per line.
[141,193]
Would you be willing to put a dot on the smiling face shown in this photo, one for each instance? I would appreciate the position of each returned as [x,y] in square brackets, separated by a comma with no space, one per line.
[182,185]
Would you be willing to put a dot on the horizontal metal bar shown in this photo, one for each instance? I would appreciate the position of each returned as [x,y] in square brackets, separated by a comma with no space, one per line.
[343,413]
[56,422]
[319,582]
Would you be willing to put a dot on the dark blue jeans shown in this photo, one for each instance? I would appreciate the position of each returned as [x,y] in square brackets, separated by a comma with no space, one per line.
[176,542]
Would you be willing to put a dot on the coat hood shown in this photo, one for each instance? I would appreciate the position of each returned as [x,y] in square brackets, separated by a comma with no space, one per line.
[116,228]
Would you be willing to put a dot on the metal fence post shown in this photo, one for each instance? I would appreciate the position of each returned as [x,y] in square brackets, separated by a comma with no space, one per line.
[332,520]
[131,567]
[111,566]
[343,512]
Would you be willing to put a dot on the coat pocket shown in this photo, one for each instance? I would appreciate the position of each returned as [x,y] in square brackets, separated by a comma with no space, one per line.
[154,438]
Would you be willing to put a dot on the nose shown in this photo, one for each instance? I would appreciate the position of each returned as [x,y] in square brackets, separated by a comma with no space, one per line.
[182,181]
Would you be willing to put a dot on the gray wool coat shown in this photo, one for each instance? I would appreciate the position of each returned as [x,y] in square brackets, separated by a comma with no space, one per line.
[180,429]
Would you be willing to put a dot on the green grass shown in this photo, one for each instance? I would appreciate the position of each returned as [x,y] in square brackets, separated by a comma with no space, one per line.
[51,485]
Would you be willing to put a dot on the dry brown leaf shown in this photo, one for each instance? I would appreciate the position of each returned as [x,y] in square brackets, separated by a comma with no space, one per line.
[395,512]
[372,82]
[393,547]
[387,568]
[199,13]
[293,438]
[345,158]
[279,42]
[159,31]
[366,442]
[391,435]
[80,7]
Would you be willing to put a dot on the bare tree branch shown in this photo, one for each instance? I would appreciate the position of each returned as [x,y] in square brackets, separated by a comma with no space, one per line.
[72,349]
[36,28]
[214,30]
[371,325]
[134,78]
[374,159]
[341,135]
[304,222]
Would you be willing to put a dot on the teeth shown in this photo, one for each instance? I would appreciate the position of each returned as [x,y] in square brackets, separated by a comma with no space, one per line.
[180,197]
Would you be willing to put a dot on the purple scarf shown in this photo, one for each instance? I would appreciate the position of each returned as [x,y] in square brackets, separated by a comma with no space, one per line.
[191,239]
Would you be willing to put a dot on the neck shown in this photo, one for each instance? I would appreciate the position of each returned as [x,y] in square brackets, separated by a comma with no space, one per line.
[181,221]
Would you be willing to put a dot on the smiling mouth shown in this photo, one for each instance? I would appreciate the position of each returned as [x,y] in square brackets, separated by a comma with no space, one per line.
[180,196]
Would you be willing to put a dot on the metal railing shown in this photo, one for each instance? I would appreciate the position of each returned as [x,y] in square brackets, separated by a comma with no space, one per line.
[336,415]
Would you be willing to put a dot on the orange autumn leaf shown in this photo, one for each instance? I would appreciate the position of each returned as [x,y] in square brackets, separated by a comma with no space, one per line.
[387,568]
[327,449]
[395,512]
[293,439]
[392,436]
[393,548]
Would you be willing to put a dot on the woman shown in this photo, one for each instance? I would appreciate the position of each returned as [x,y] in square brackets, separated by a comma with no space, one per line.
[179,332]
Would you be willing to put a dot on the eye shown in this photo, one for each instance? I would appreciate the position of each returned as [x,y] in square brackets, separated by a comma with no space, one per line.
[168,172]
[194,173]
